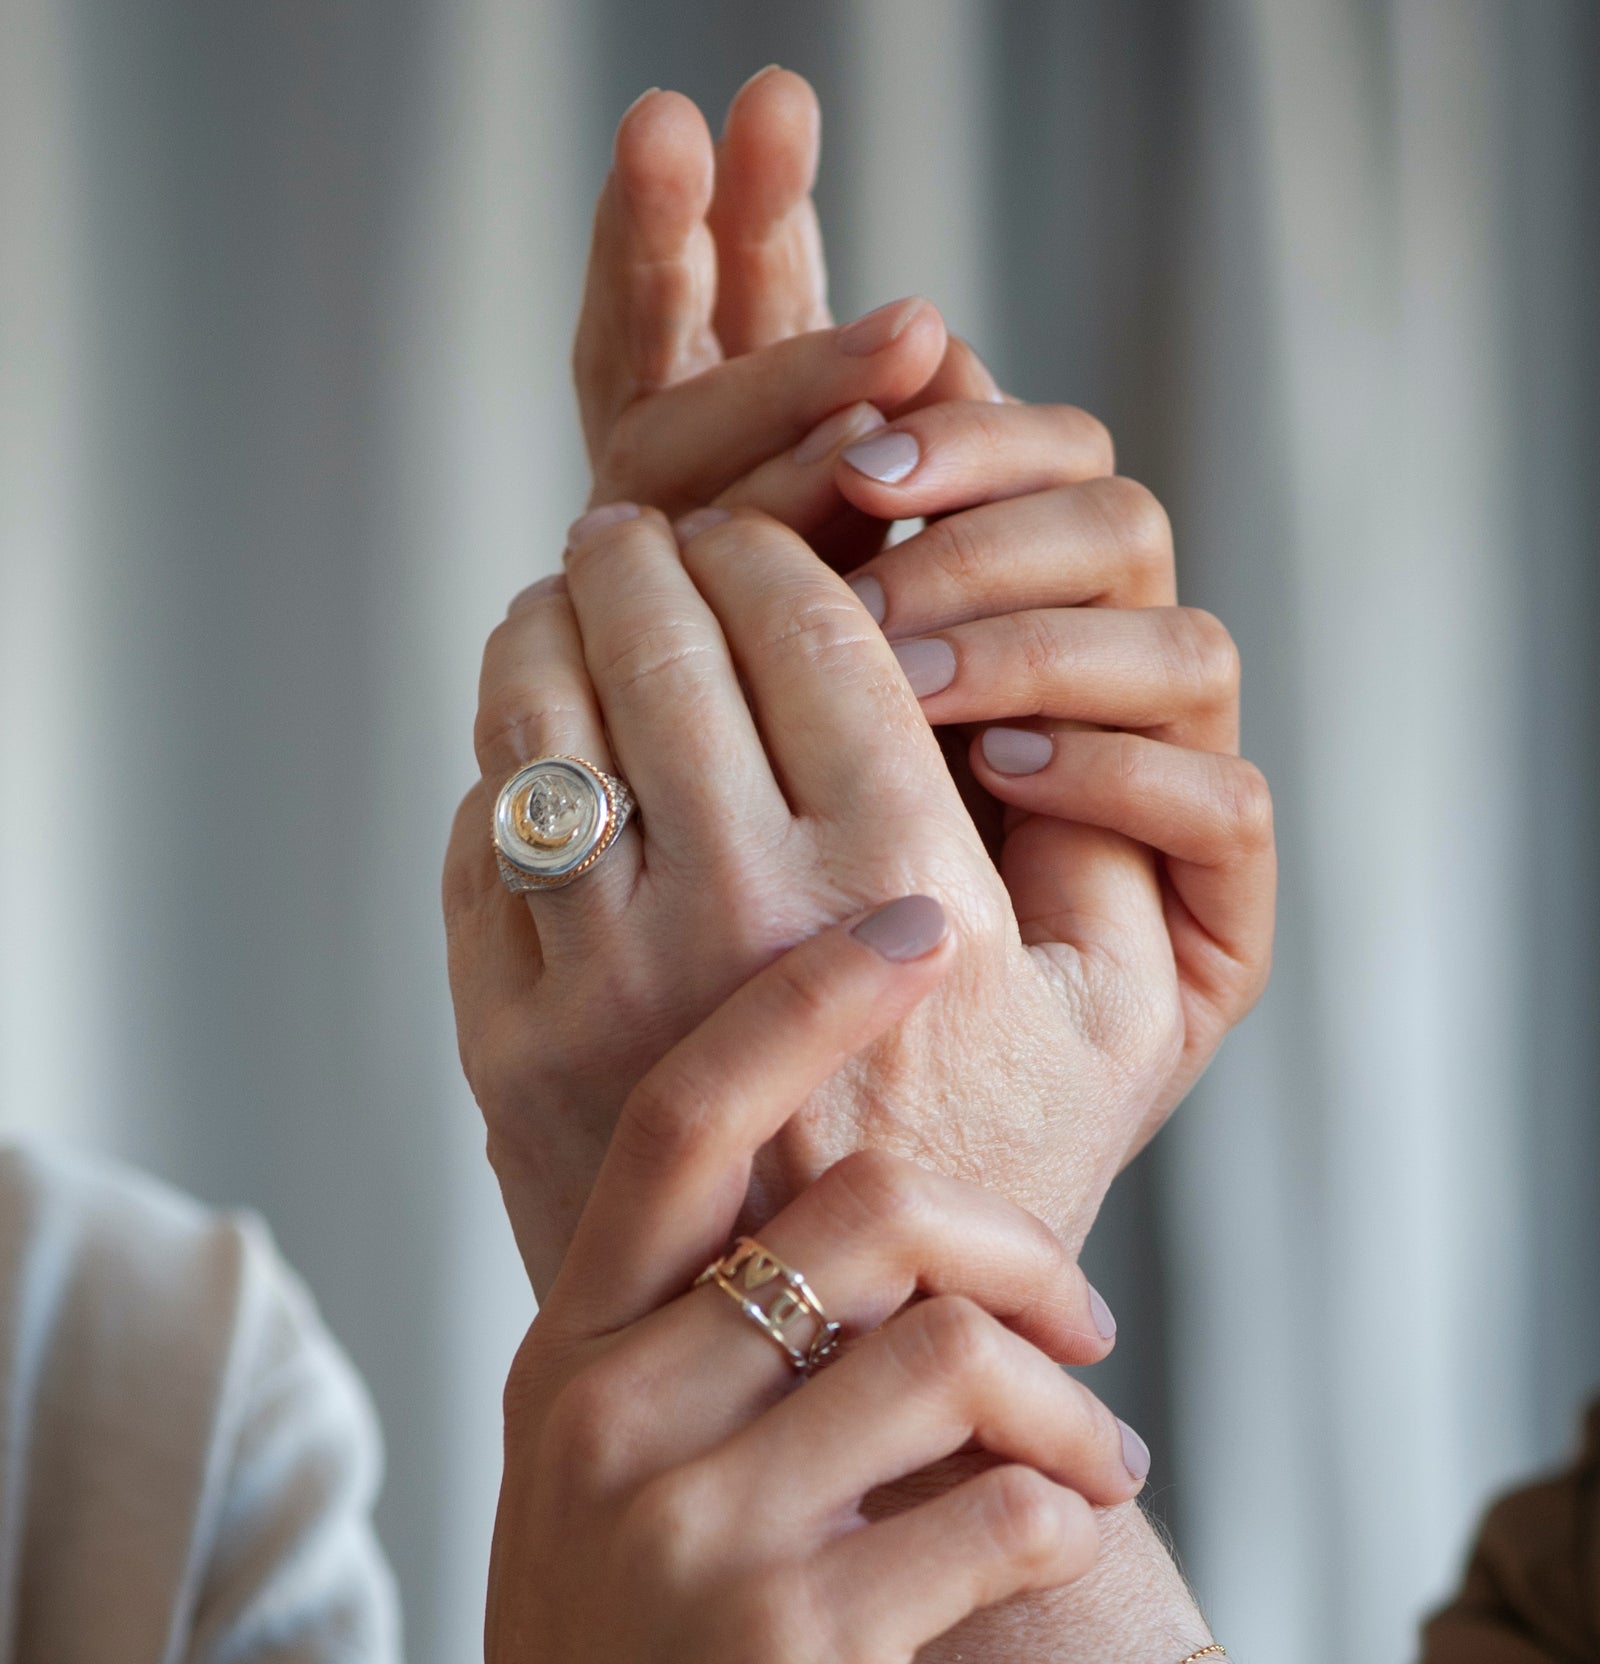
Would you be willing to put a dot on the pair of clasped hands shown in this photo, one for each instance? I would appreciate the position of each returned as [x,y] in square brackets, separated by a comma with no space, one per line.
[946,883]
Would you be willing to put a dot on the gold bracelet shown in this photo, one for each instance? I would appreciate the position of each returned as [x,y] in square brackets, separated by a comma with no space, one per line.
[1215,1650]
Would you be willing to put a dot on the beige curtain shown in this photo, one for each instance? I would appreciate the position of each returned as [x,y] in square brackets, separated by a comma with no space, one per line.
[285,292]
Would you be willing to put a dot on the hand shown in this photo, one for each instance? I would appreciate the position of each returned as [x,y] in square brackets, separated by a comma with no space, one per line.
[1052,608]
[747,254]
[703,347]
[785,775]
[668,1495]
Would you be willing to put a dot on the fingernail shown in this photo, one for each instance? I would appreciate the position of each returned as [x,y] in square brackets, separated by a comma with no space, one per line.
[553,585]
[995,396]
[869,592]
[876,329]
[1101,1313]
[699,520]
[757,76]
[929,664]
[597,519]
[635,104]
[1016,750]
[886,457]
[828,435]
[903,929]
[1135,1453]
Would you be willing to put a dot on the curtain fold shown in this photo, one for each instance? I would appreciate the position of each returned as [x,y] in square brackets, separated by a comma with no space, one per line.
[285,298]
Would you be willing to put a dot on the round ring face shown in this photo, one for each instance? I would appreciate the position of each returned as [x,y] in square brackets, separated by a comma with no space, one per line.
[551,816]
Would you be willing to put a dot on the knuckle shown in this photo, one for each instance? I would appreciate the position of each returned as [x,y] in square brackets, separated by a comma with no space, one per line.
[819,622]
[873,1191]
[584,1429]
[665,1117]
[1038,648]
[619,470]
[664,1525]
[1022,1514]
[516,696]
[952,1336]
[988,429]
[1136,518]
[1202,651]
[1093,438]
[803,985]
[660,649]
[506,721]
[1248,803]
[956,551]
[500,1063]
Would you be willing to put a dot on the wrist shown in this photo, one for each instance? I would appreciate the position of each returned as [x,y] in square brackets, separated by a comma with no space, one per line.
[1133,1607]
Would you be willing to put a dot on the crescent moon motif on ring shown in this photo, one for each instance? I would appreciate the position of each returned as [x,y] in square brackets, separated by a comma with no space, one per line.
[554,818]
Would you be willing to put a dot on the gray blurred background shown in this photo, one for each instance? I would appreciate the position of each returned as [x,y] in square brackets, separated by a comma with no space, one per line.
[285,296]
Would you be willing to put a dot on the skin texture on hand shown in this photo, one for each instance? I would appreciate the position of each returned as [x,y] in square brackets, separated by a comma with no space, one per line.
[786,775]
[1144,855]
[1035,1089]
[639,1520]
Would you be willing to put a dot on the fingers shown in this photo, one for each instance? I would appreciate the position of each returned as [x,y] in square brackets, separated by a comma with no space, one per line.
[1210,815]
[694,439]
[1106,542]
[949,456]
[962,374]
[656,659]
[796,487]
[534,697]
[871,1234]
[875,1230]
[535,700]
[839,722]
[890,1589]
[678,1166]
[771,277]
[1169,672]
[942,1374]
[646,318]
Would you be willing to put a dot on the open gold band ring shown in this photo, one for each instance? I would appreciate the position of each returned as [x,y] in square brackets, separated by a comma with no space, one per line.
[554,818]
[778,1300]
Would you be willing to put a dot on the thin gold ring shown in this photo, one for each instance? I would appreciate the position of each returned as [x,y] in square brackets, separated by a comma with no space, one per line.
[778,1300]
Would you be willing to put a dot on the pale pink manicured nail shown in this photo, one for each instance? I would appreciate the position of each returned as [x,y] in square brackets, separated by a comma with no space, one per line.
[1101,1312]
[869,592]
[929,664]
[995,395]
[553,585]
[885,457]
[635,104]
[1016,750]
[759,75]
[1135,1453]
[826,437]
[597,519]
[903,929]
[699,520]
[876,329]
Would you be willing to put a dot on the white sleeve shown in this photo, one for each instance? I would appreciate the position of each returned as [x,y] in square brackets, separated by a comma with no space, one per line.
[187,1461]
[293,1573]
